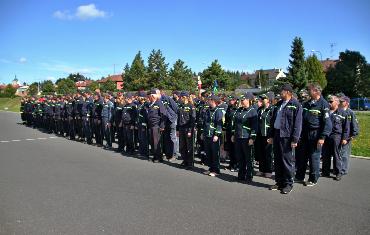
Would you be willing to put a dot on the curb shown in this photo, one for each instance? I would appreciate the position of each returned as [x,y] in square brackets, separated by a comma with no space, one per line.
[360,157]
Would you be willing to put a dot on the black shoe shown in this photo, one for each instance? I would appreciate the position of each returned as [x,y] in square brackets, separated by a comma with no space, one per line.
[287,189]
[338,177]
[249,180]
[206,172]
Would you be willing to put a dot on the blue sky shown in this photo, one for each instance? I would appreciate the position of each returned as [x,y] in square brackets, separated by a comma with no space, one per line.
[49,39]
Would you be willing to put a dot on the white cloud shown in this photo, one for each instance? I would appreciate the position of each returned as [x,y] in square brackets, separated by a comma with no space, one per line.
[22,60]
[83,12]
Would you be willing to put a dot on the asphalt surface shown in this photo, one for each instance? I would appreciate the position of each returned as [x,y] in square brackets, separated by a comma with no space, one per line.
[57,186]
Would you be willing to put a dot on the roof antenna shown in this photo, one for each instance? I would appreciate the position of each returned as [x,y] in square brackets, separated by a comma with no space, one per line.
[332,45]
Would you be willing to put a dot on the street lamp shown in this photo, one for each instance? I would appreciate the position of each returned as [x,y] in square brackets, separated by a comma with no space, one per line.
[313,51]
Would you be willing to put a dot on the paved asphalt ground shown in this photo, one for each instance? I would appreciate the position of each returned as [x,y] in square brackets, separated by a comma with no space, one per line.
[57,186]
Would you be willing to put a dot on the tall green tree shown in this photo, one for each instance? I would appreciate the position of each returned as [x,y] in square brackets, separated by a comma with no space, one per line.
[234,80]
[157,70]
[76,77]
[350,75]
[181,77]
[297,74]
[212,73]
[315,71]
[93,86]
[108,86]
[47,87]
[9,91]
[33,89]
[136,75]
[66,86]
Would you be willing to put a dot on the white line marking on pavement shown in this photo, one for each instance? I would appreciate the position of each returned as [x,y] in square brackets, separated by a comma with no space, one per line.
[15,140]
[30,139]
[53,137]
[4,141]
[41,138]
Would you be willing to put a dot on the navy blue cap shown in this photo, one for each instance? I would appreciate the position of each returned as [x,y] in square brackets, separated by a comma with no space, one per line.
[184,93]
[153,91]
[176,93]
[247,95]
[287,87]
[142,94]
[214,97]
[128,96]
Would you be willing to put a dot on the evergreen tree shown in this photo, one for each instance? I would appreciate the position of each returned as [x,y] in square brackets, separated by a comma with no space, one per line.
[315,71]
[181,77]
[297,74]
[108,86]
[33,89]
[157,70]
[93,86]
[212,73]
[47,87]
[136,75]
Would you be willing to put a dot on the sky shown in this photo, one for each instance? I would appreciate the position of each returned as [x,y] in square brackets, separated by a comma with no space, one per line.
[49,39]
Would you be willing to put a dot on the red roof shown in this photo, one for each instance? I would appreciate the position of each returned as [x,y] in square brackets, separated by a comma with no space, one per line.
[114,78]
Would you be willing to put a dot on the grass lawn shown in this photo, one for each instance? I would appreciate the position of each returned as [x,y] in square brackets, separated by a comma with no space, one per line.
[10,104]
[361,145]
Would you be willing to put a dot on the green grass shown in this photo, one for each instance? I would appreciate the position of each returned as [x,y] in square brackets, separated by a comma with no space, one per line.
[10,104]
[361,145]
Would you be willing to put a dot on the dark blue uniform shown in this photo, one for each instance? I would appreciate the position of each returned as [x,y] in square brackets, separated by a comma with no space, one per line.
[97,123]
[87,114]
[107,114]
[185,126]
[287,125]
[354,131]
[333,144]
[244,129]
[212,126]
[169,134]
[129,115]
[229,145]
[156,121]
[316,125]
[262,149]
[142,127]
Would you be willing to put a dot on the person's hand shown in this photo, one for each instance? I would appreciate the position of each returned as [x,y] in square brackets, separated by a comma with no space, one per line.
[201,137]
[161,129]
[344,142]
[233,139]
[215,138]
[250,142]
[177,134]
[132,127]
[294,145]
[270,140]
[189,134]
[109,125]
[320,143]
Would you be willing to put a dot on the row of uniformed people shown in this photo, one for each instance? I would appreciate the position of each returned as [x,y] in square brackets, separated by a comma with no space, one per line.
[203,121]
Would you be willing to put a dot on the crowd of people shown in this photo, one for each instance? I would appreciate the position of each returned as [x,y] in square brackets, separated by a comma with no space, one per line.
[283,133]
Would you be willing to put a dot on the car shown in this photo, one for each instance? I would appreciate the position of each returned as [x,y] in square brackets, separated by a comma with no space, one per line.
[360,104]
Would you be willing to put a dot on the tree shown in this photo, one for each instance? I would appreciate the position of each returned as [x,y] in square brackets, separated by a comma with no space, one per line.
[109,85]
[76,77]
[212,73]
[47,87]
[93,86]
[315,71]
[350,75]
[297,74]
[33,89]
[181,77]
[9,91]
[262,79]
[66,86]
[157,70]
[136,75]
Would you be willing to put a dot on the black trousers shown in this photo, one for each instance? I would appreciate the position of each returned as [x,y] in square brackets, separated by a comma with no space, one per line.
[128,138]
[107,132]
[120,140]
[98,131]
[87,129]
[310,153]
[156,143]
[332,148]
[230,147]
[244,154]
[284,160]
[200,146]
[71,128]
[143,137]
[186,146]
[263,151]
[212,150]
